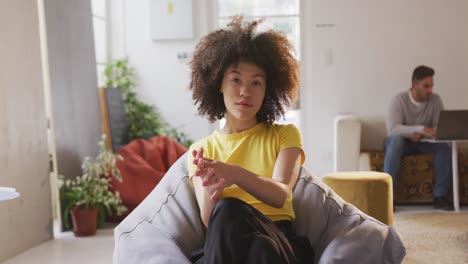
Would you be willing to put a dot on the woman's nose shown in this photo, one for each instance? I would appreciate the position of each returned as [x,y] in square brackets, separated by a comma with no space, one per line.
[245,90]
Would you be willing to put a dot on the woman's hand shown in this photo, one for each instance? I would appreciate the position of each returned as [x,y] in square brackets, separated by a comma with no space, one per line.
[213,185]
[217,170]
[216,175]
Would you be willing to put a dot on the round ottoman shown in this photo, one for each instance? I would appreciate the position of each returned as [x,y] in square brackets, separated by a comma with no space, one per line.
[369,191]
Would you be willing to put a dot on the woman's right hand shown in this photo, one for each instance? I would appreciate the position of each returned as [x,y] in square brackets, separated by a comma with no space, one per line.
[216,186]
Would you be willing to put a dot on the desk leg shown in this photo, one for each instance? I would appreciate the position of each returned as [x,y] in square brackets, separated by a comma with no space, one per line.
[456,197]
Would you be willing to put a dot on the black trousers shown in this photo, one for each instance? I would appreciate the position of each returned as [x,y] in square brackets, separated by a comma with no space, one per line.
[239,233]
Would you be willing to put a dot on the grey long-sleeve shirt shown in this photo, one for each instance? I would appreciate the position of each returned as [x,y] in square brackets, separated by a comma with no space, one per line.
[405,116]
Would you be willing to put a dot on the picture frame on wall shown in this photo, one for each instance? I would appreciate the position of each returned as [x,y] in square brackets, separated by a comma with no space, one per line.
[171,19]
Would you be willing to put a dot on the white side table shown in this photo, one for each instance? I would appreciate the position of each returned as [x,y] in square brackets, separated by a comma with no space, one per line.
[7,193]
[453,144]
[456,197]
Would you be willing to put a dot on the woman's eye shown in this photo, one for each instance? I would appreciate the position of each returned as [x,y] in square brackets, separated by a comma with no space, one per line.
[257,83]
[235,80]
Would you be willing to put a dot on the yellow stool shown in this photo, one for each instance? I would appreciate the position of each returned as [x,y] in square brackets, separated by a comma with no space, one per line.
[369,191]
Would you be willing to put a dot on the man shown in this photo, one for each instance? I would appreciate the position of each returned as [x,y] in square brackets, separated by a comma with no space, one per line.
[414,115]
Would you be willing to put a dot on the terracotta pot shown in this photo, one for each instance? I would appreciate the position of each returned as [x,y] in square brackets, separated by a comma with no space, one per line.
[84,220]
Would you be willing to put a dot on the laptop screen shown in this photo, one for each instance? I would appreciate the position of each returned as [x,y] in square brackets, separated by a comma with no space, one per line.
[453,124]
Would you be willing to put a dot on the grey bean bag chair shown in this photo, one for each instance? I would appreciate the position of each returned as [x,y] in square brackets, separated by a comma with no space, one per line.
[166,227]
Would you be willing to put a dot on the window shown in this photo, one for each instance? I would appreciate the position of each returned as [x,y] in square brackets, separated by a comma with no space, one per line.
[99,10]
[281,15]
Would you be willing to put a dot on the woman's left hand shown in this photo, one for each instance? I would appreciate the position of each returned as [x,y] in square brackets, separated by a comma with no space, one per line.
[220,170]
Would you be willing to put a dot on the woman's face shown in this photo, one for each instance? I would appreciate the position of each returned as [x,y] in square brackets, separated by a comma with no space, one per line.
[243,90]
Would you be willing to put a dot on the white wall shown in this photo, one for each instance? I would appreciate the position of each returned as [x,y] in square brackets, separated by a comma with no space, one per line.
[26,221]
[163,80]
[352,51]
[358,54]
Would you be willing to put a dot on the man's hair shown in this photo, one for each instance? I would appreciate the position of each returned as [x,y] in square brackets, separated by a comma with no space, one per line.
[422,72]
[270,50]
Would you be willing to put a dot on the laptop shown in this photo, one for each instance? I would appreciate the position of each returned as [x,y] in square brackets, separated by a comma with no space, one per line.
[453,125]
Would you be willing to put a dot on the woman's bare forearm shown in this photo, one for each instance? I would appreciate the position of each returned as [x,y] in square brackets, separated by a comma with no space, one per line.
[275,190]
[267,190]
[203,199]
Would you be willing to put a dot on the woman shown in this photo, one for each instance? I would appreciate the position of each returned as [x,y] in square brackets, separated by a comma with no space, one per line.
[244,173]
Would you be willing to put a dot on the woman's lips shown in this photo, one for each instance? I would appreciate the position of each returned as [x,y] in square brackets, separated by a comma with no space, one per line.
[244,105]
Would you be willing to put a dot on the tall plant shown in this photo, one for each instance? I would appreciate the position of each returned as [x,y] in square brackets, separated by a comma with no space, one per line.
[144,120]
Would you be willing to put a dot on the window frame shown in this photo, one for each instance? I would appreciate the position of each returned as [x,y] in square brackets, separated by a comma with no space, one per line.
[104,18]
[294,112]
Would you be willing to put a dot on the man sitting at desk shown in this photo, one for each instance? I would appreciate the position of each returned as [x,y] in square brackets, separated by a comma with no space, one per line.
[413,115]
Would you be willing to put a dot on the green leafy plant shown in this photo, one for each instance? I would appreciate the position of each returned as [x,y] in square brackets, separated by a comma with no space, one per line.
[144,120]
[92,189]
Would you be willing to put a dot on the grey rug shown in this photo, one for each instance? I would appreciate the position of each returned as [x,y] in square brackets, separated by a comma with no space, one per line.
[434,237]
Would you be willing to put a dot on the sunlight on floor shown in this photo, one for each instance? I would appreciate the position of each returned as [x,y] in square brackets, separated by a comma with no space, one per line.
[66,248]
[426,232]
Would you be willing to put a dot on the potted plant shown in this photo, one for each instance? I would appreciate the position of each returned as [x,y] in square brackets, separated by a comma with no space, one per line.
[88,198]
[142,120]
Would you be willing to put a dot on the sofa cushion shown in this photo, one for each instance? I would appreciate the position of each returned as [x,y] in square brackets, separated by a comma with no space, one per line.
[416,176]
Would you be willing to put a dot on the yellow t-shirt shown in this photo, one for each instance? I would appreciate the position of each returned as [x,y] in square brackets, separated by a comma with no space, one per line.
[256,150]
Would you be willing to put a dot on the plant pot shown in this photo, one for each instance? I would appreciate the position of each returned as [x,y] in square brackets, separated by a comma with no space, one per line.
[84,220]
